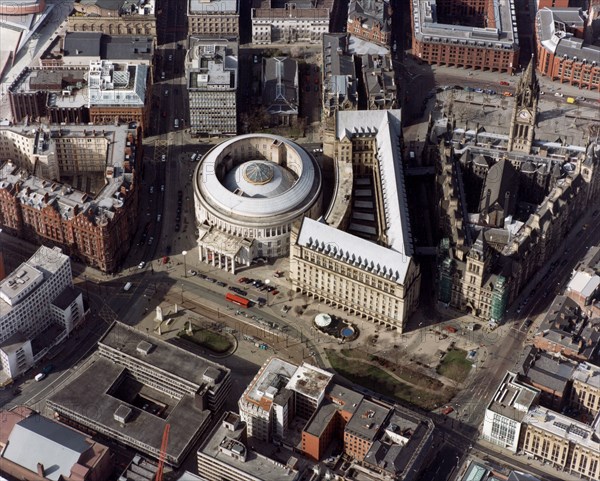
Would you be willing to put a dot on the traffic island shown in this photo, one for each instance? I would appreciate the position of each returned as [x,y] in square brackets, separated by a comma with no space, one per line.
[213,341]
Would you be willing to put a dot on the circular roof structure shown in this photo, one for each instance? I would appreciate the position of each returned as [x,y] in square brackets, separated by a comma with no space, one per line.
[258,173]
[323,320]
[259,178]
[255,177]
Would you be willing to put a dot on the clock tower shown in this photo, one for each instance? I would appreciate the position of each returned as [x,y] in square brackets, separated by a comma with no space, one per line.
[524,115]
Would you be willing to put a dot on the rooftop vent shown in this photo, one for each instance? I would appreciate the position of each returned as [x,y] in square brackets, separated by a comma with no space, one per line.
[122,414]
[144,347]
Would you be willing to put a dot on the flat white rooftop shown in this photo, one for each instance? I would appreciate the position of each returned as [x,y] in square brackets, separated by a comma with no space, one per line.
[565,427]
[310,381]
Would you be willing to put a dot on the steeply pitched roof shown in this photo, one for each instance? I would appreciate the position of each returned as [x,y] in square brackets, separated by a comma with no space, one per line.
[37,439]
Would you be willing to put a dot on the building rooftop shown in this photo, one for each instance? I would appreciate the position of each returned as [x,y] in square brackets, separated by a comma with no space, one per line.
[125,7]
[213,7]
[353,250]
[564,427]
[565,325]
[117,84]
[386,127]
[212,64]
[21,282]
[339,73]
[28,276]
[551,24]
[280,85]
[82,44]
[222,442]
[398,447]
[587,373]
[38,440]
[584,283]
[321,419]
[370,13]
[13,343]
[66,297]
[163,356]
[274,377]
[368,419]
[39,193]
[346,399]
[513,398]
[310,381]
[546,370]
[94,387]
[428,28]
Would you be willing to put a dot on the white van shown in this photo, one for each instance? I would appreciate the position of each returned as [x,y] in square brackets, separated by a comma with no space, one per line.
[127,286]
[40,376]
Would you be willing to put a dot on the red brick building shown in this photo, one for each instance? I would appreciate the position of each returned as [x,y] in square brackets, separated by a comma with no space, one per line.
[562,54]
[466,34]
[95,230]
[370,20]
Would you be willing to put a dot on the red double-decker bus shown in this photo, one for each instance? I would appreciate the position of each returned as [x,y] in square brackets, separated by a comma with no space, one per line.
[239,300]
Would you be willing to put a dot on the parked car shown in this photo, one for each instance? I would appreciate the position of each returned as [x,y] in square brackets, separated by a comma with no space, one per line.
[558,94]
[192,273]
[222,284]
[447,410]
[141,265]
[504,82]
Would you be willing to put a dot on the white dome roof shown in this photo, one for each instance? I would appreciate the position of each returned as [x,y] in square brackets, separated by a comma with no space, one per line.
[323,320]
[259,179]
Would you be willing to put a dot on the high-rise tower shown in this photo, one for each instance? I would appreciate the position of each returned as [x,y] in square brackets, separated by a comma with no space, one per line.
[524,116]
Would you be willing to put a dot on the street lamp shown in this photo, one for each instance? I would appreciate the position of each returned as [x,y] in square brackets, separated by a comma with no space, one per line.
[184,265]
[267,282]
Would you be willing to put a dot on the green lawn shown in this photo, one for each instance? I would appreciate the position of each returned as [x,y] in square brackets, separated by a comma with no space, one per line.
[378,380]
[403,371]
[208,339]
[455,365]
